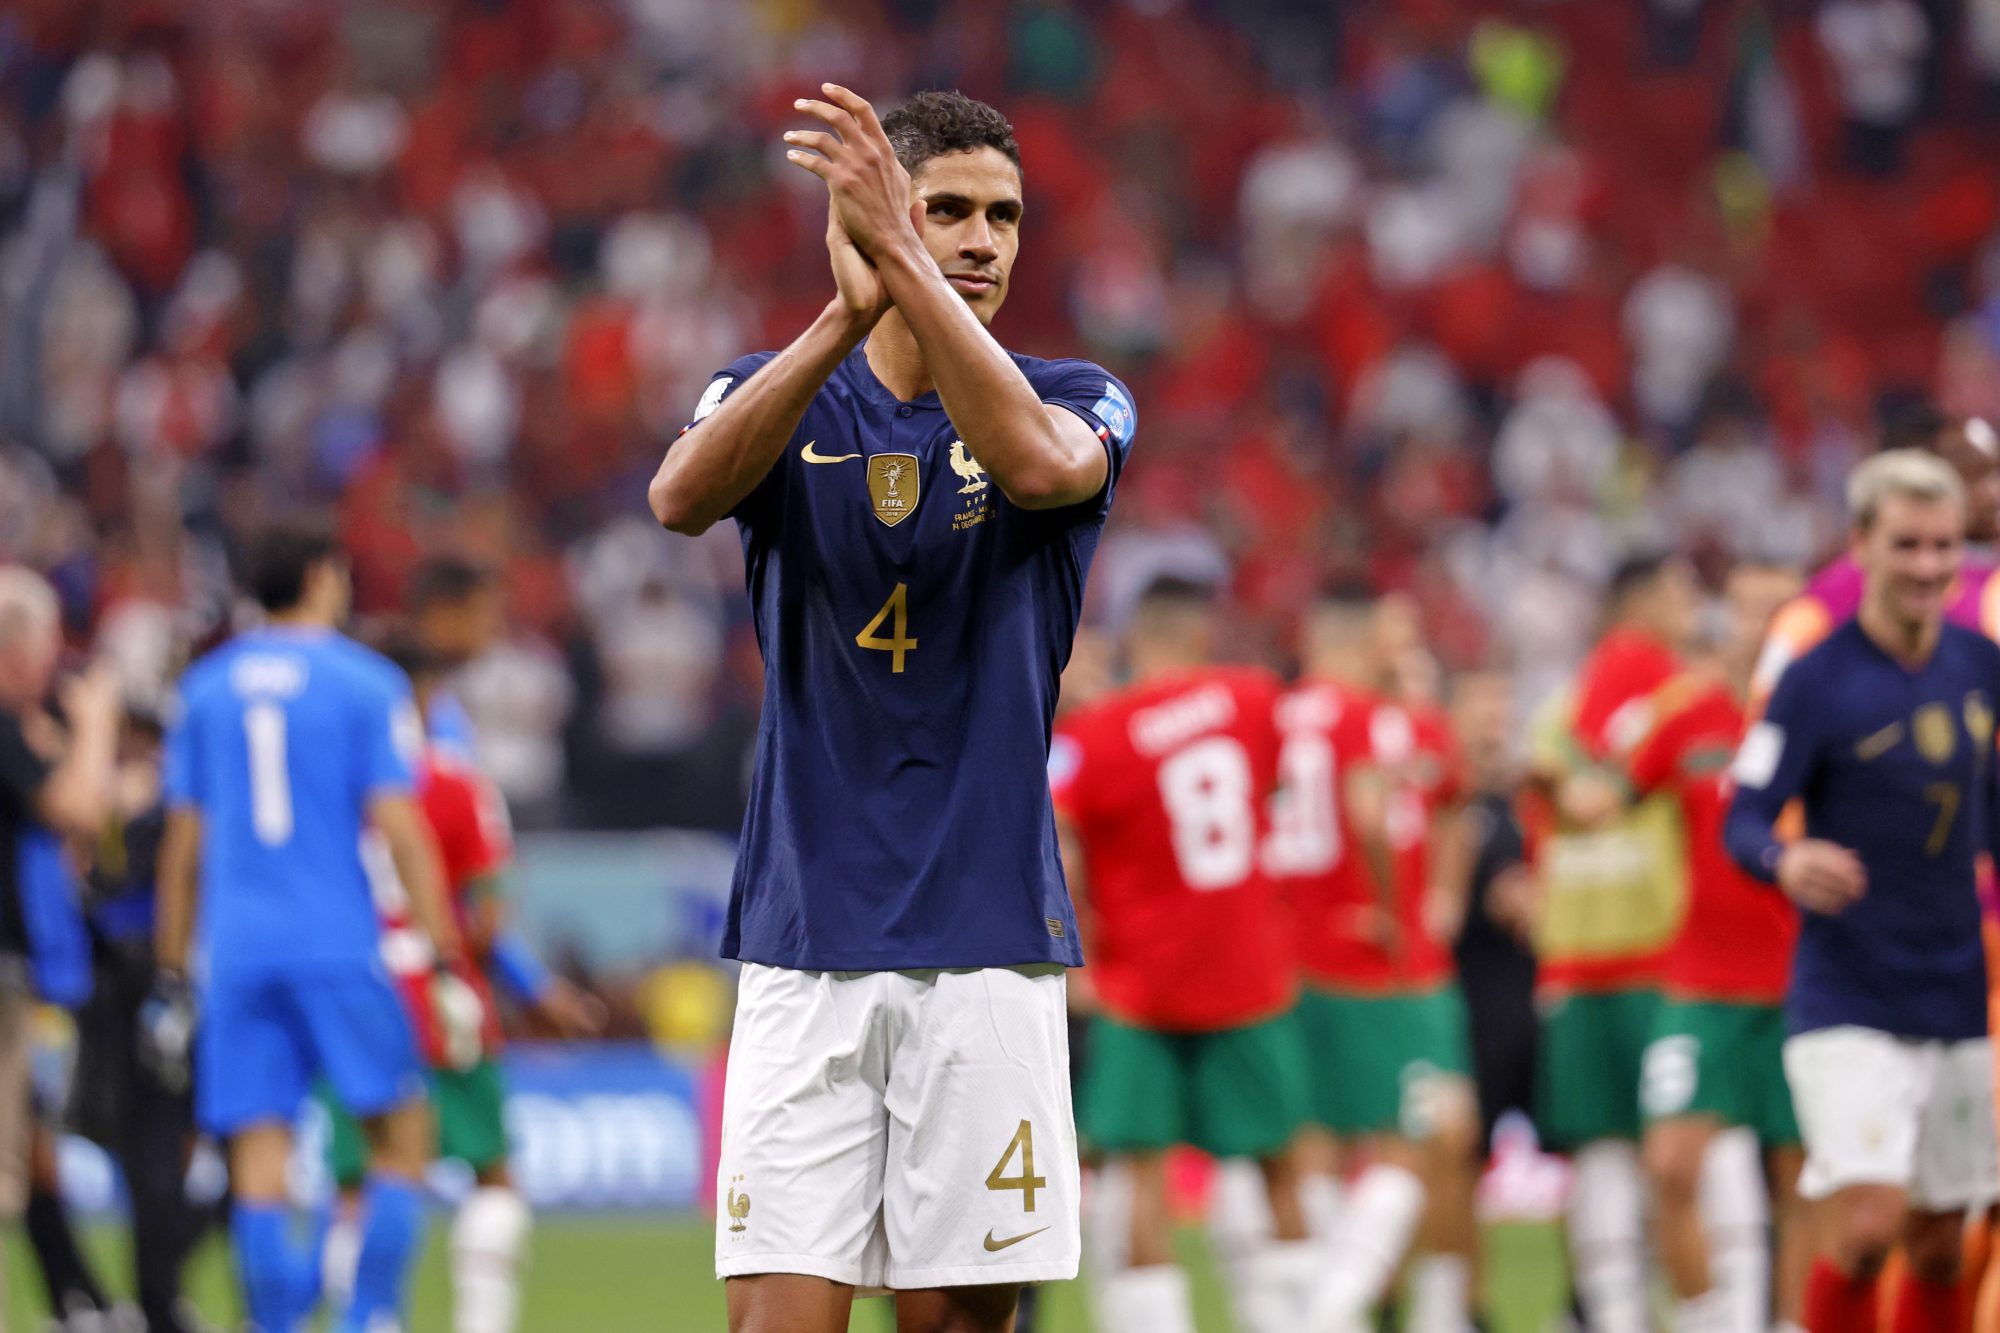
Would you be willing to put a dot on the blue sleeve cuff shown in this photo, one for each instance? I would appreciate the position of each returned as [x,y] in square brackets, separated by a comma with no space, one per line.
[525,976]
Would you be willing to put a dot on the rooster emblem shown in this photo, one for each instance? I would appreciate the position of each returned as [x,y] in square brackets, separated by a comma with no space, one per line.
[739,1208]
[966,466]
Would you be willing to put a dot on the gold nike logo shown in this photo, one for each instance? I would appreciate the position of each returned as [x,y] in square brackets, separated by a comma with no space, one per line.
[993,1246]
[811,457]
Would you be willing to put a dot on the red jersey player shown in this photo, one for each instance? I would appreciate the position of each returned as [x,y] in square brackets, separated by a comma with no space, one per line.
[1383,1021]
[1715,1062]
[1161,789]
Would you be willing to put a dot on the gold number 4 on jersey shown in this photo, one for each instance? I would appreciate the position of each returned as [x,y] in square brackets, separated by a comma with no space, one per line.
[1027,1182]
[895,611]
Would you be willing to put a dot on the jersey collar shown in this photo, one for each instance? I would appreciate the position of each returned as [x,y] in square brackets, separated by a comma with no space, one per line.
[863,376]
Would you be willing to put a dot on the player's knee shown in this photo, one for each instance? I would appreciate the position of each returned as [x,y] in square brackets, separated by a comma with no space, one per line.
[1454,1137]
[1869,1226]
[258,1160]
[1673,1166]
[1934,1244]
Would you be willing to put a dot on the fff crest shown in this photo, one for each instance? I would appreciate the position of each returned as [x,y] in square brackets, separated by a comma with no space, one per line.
[1935,732]
[894,486]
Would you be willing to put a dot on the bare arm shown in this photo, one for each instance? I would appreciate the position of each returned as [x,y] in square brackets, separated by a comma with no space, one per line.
[75,798]
[1041,456]
[176,890]
[396,817]
[1366,795]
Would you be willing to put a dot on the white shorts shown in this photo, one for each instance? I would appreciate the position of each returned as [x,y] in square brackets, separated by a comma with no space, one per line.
[899,1129]
[1875,1109]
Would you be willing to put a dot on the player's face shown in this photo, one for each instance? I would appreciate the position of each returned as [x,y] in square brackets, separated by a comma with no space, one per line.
[972,223]
[1971,451]
[1910,556]
[461,631]
[1676,604]
[1752,596]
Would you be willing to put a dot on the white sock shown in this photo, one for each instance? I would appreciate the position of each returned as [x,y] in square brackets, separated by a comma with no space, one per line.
[1153,1299]
[1706,1313]
[1440,1295]
[1277,1281]
[338,1254]
[1607,1236]
[1736,1217]
[1239,1208]
[487,1237]
[1380,1216]
[1322,1197]
[1107,1220]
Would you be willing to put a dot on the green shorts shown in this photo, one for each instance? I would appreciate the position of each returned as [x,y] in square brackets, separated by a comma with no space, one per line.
[1378,1060]
[469,1109]
[1587,1078]
[1238,1092]
[1724,1060]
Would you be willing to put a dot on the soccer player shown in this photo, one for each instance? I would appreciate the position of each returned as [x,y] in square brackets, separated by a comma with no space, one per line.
[1163,787]
[456,1021]
[1610,877]
[1330,838]
[918,509]
[1834,593]
[1885,731]
[1713,1084]
[1434,845]
[292,742]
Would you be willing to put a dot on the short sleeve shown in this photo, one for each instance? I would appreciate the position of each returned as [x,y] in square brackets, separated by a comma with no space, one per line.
[393,738]
[1105,405]
[720,385]
[180,773]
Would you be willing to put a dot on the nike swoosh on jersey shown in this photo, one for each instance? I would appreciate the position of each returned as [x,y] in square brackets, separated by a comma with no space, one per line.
[811,457]
[993,1245]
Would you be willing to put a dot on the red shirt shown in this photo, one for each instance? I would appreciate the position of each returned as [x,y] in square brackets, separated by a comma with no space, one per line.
[1738,938]
[1166,785]
[1328,733]
[469,820]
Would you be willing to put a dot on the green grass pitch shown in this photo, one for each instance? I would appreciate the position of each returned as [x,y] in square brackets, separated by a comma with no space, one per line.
[615,1274]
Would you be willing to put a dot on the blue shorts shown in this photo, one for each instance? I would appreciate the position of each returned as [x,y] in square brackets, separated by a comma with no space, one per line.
[264,1037]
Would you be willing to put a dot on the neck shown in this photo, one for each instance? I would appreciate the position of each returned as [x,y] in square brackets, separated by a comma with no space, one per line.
[1908,641]
[896,359]
[298,617]
[1150,663]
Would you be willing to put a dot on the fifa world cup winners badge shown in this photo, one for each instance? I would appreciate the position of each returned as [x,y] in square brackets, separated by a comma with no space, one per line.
[894,485]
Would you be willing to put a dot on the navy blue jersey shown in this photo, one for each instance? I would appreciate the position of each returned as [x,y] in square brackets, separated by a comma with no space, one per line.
[1897,765]
[284,736]
[913,624]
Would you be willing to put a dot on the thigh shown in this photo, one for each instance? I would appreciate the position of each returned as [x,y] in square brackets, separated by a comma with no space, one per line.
[1955,1166]
[1134,1094]
[960,1309]
[361,1038]
[253,1057]
[981,1187]
[804,1134]
[1858,1094]
[471,1109]
[1249,1088]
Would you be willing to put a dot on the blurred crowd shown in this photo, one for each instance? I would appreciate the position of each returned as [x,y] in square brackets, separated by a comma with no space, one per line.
[1457,298]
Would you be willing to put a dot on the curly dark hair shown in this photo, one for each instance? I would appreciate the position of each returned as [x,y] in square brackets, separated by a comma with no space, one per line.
[932,124]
